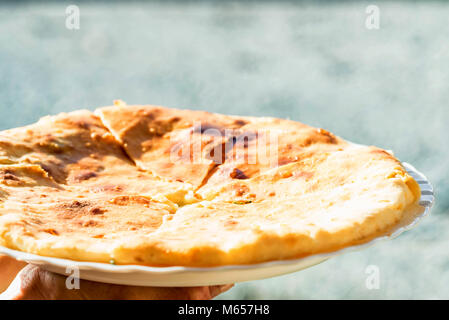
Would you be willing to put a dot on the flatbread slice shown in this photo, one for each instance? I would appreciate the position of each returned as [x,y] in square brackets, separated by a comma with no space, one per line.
[70,225]
[266,143]
[75,149]
[179,145]
[68,189]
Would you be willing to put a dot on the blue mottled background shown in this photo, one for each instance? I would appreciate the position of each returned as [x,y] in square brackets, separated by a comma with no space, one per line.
[309,61]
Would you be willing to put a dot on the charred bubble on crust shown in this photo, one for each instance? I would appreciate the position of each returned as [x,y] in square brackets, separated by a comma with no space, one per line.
[51,231]
[96,211]
[84,175]
[240,122]
[238,174]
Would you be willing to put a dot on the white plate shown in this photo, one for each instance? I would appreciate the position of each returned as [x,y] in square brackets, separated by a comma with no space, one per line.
[188,276]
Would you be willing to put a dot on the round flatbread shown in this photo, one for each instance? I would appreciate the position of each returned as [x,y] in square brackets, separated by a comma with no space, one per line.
[163,187]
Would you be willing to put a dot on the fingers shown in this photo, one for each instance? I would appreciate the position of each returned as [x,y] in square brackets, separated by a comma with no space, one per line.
[9,268]
[173,293]
[167,293]
[216,290]
[35,283]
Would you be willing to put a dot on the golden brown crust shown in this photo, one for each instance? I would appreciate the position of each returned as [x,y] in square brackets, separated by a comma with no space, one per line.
[106,186]
[163,140]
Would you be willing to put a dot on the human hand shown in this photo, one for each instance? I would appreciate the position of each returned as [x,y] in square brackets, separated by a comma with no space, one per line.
[34,283]
[9,268]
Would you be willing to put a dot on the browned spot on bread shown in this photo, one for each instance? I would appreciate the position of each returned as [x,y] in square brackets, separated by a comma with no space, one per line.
[96,211]
[238,174]
[240,122]
[75,204]
[72,209]
[84,175]
[51,231]
[285,174]
[125,200]
[89,223]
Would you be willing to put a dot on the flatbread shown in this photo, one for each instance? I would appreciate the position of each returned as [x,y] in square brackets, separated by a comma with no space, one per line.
[157,186]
